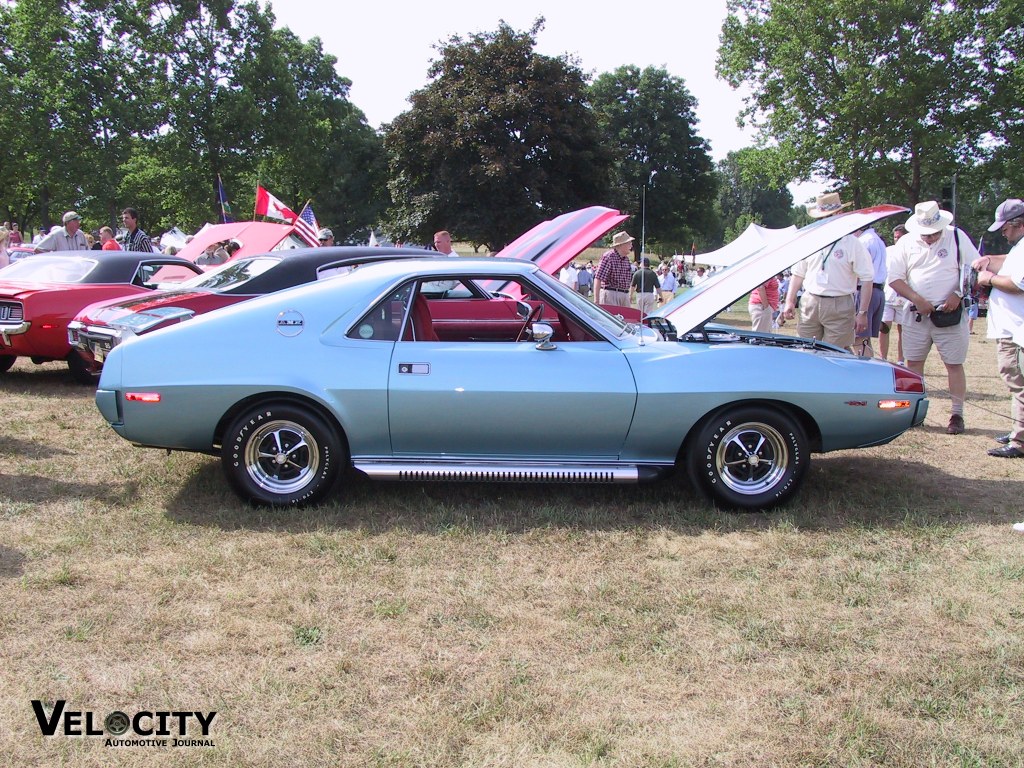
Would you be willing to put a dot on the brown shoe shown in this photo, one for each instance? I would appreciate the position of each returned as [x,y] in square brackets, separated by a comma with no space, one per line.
[956,424]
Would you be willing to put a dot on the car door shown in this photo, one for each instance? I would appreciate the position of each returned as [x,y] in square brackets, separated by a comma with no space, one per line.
[485,398]
[488,399]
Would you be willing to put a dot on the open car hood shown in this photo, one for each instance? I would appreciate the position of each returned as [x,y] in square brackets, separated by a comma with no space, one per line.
[554,243]
[698,305]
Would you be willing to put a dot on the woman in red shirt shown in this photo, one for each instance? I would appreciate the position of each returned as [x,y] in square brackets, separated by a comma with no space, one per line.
[764,302]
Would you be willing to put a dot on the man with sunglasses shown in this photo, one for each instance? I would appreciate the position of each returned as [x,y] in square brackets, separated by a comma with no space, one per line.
[927,268]
[1005,276]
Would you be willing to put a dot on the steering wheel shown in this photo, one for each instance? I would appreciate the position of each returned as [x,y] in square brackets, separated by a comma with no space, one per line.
[534,315]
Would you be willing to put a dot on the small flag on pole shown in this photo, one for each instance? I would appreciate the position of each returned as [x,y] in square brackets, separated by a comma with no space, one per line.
[307,224]
[226,217]
[269,206]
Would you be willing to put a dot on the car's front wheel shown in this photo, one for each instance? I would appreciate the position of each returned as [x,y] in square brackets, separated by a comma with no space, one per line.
[6,361]
[749,458]
[81,371]
[282,455]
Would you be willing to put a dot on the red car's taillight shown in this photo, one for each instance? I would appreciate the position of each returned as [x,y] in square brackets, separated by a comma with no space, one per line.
[905,380]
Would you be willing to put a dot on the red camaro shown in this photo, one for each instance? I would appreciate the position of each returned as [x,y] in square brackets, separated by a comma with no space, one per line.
[41,294]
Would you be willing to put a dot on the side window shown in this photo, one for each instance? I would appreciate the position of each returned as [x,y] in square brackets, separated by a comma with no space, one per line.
[384,321]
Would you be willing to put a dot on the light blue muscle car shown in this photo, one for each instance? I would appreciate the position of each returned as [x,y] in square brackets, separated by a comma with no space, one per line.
[491,370]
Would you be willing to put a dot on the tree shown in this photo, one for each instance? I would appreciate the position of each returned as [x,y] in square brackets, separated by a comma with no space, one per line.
[884,96]
[66,123]
[500,139]
[648,117]
[748,192]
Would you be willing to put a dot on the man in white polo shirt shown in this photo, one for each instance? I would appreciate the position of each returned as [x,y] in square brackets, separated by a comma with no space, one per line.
[829,279]
[927,268]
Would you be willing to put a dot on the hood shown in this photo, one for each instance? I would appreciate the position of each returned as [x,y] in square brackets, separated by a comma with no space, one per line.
[115,310]
[753,238]
[696,306]
[255,237]
[554,243]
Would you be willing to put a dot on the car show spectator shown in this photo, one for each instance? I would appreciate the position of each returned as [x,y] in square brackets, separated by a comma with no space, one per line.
[15,236]
[927,269]
[669,283]
[326,237]
[569,276]
[67,238]
[644,286]
[135,239]
[762,305]
[893,308]
[5,239]
[829,279]
[1004,275]
[107,240]
[614,273]
[584,280]
[875,247]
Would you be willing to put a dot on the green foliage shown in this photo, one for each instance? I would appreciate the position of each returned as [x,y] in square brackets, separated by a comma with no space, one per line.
[752,189]
[887,96]
[662,171]
[144,104]
[500,139]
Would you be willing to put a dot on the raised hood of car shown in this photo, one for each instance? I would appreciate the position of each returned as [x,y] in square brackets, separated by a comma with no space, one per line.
[697,305]
[554,243]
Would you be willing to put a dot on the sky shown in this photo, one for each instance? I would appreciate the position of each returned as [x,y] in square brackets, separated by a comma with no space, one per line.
[384,48]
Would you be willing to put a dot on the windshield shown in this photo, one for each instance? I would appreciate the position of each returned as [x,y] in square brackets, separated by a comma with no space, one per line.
[615,326]
[49,269]
[291,242]
[230,275]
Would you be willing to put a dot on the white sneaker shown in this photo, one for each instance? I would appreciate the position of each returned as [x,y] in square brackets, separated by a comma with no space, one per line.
[1019,527]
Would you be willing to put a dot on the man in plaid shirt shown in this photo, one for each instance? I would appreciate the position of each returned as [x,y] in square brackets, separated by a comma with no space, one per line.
[614,273]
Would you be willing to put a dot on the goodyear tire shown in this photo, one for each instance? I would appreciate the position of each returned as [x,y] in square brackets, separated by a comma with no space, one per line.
[282,455]
[749,458]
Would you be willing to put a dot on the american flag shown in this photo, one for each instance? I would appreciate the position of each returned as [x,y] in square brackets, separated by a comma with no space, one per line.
[307,224]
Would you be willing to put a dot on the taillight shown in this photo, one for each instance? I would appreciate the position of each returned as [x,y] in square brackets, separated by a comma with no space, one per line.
[905,380]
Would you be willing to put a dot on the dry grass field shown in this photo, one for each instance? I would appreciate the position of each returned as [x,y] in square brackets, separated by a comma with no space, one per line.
[877,621]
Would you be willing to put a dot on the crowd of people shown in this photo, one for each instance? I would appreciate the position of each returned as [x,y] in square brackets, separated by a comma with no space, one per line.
[69,236]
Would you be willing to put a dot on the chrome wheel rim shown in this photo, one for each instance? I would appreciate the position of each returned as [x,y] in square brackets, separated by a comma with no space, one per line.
[282,457]
[752,458]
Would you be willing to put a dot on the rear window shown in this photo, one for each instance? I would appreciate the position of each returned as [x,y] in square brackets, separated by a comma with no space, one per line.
[49,269]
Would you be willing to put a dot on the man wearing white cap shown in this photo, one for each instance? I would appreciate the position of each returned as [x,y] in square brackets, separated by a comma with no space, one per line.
[1005,275]
[927,268]
[67,238]
[829,279]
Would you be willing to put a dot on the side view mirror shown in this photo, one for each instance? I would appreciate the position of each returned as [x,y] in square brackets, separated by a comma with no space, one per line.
[542,333]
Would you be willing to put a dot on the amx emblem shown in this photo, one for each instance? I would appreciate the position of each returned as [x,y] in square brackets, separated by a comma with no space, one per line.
[290,323]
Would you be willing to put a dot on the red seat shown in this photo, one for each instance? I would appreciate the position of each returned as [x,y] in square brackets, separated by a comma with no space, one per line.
[421,325]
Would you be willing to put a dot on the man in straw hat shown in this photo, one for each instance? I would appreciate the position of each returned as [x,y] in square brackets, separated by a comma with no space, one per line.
[926,268]
[830,278]
[614,273]
[1005,276]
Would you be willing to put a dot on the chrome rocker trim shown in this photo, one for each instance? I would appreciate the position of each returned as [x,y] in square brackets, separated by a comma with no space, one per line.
[508,472]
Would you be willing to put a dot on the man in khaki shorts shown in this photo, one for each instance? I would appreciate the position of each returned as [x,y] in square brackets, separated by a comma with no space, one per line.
[926,268]
[830,278]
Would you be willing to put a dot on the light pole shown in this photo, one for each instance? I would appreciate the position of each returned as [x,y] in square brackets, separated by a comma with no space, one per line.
[643,215]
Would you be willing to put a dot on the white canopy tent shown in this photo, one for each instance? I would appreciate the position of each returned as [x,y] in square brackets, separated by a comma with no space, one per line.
[753,238]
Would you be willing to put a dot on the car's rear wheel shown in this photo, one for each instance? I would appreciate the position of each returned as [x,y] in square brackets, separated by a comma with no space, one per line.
[749,458]
[282,455]
[6,361]
[81,371]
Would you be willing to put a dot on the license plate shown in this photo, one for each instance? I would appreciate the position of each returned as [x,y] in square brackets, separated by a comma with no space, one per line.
[98,352]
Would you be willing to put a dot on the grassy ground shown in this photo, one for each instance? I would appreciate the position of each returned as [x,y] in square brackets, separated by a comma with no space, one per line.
[875,621]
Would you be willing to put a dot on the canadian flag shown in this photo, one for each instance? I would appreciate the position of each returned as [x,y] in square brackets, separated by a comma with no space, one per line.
[269,206]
